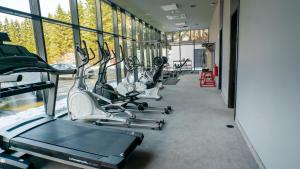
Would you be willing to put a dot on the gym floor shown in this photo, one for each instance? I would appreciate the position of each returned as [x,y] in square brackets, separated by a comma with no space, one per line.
[195,135]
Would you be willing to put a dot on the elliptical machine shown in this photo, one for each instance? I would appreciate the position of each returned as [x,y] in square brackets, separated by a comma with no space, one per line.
[129,99]
[148,84]
[84,104]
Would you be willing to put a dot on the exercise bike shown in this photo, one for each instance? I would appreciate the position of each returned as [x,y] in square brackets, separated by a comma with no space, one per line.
[84,104]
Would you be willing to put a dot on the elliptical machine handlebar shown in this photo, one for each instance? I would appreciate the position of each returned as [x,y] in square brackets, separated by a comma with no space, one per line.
[122,59]
[93,53]
[83,53]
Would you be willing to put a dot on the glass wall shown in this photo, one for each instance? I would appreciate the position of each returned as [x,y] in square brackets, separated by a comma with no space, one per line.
[20,5]
[185,35]
[22,106]
[60,33]
[58,10]
[107,26]
[86,13]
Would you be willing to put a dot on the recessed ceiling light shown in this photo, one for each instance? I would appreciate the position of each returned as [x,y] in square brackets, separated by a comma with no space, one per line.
[175,17]
[180,23]
[169,7]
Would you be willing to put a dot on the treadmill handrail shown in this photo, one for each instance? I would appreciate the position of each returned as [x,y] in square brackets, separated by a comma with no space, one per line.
[37,69]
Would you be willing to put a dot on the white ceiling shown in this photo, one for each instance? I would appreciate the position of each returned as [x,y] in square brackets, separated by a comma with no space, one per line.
[150,11]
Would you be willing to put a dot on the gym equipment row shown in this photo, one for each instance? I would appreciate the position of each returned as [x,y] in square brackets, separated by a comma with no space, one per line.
[78,144]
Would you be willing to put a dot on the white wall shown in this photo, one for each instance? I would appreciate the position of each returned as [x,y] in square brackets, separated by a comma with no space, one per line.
[268,95]
[214,28]
[226,49]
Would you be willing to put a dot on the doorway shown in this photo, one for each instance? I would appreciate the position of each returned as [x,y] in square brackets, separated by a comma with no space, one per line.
[198,61]
[220,59]
[233,59]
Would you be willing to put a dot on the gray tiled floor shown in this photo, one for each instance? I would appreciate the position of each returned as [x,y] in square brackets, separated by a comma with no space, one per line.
[195,136]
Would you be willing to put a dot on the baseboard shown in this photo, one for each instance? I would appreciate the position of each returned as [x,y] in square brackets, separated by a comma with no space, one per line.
[252,149]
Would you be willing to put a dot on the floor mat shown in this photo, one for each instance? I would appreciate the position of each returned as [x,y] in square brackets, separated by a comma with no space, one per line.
[171,81]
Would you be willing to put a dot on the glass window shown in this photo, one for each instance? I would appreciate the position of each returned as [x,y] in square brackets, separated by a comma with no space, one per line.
[139,31]
[111,72]
[145,37]
[119,13]
[58,10]
[185,35]
[59,43]
[176,37]
[146,51]
[193,35]
[122,63]
[107,20]
[19,107]
[19,30]
[197,34]
[128,26]
[92,72]
[20,5]
[201,35]
[90,38]
[136,29]
[152,55]
[60,54]
[129,48]
[205,35]
[87,13]
[169,36]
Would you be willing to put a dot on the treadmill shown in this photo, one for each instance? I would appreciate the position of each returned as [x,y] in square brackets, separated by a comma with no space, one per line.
[49,137]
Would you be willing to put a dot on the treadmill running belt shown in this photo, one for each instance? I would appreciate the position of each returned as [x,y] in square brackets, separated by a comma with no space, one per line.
[86,139]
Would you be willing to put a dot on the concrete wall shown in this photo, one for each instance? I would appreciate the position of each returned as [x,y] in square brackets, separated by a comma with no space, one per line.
[268,95]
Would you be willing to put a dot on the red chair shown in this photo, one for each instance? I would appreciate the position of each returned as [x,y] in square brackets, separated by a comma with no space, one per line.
[207,79]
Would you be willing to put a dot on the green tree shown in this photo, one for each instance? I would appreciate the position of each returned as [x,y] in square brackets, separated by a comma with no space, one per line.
[1,26]
[58,39]
[6,25]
